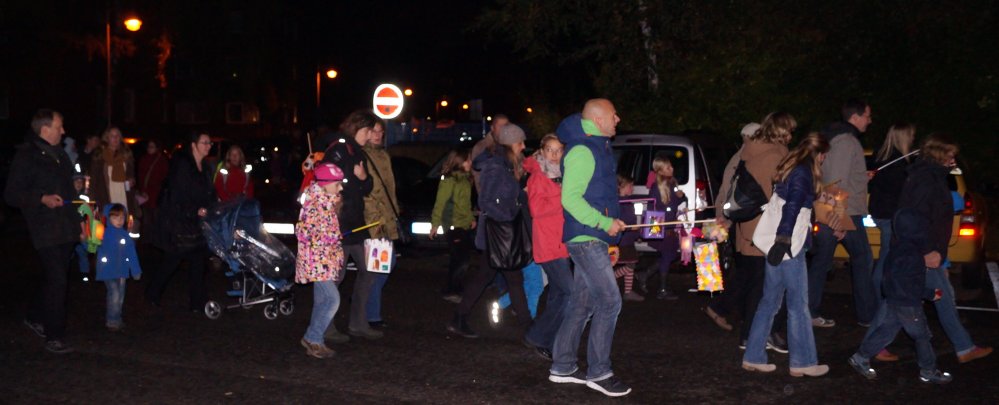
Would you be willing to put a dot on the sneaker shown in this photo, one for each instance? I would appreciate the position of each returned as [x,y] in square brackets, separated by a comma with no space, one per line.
[610,386]
[577,377]
[862,366]
[820,322]
[317,350]
[335,336]
[976,353]
[633,296]
[58,347]
[665,294]
[453,298]
[886,356]
[742,345]
[935,377]
[763,368]
[817,370]
[366,333]
[777,343]
[461,328]
[35,327]
[718,319]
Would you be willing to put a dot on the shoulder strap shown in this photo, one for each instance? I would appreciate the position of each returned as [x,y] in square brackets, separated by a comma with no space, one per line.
[381,180]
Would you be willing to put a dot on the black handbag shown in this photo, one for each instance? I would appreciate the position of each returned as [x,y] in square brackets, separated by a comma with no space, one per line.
[508,243]
[745,199]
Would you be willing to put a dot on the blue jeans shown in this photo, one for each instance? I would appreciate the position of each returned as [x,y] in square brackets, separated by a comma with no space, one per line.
[83,258]
[789,276]
[913,320]
[857,245]
[542,332]
[595,298]
[326,300]
[947,312]
[115,298]
[884,225]
[374,307]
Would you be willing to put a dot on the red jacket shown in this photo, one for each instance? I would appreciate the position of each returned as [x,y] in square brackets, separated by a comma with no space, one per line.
[233,185]
[544,198]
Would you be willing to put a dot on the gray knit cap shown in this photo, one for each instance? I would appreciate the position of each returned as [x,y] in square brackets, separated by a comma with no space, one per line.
[510,134]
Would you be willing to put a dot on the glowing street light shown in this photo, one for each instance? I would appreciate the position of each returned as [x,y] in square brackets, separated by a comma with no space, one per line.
[464,106]
[133,24]
[331,73]
[530,110]
[443,103]
[408,92]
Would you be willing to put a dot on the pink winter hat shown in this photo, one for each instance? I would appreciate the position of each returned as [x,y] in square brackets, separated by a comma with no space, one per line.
[327,173]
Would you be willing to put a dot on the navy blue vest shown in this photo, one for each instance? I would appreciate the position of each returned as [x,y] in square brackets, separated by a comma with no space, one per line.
[601,193]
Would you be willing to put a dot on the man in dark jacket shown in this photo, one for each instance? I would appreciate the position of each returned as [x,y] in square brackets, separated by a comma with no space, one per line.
[41,185]
[905,289]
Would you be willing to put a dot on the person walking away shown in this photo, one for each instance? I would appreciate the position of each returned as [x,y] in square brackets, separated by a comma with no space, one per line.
[926,191]
[627,254]
[232,177]
[40,184]
[846,167]
[735,286]
[152,171]
[346,153]
[905,289]
[321,256]
[187,196]
[382,206]
[797,183]
[501,198]
[591,210]
[885,188]
[453,212]
[544,198]
[117,261]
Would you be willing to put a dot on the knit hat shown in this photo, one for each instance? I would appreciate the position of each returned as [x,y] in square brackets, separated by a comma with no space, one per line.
[327,173]
[510,134]
[750,129]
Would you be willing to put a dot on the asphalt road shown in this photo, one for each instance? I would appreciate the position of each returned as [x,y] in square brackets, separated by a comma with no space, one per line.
[669,352]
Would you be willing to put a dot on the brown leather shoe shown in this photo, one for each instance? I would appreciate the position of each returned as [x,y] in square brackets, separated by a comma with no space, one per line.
[885,355]
[317,350]
[976,353]
[763,368]
[719,320]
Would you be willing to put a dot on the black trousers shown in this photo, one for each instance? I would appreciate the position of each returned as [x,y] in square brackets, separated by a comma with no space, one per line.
[461,243]
[481,278]
[195,279]
[48,306]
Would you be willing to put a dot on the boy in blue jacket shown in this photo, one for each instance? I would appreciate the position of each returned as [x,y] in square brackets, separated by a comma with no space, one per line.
[116,261]
[904,288]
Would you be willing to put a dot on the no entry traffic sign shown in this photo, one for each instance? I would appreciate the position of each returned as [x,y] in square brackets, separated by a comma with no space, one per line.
[387,101]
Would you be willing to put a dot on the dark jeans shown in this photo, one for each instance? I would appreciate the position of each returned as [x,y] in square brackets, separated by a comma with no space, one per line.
[362,288]
[913,320]
[461,243]
[195,279]
[49,304]
[481,279]
[542,332]
[861,265]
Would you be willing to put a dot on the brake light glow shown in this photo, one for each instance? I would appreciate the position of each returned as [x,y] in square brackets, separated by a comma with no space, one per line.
[967,232]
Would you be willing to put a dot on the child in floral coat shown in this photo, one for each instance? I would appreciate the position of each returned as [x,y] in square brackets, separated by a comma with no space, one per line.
[320,254]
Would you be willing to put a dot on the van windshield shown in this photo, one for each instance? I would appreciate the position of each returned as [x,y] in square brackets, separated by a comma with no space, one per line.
[636,161]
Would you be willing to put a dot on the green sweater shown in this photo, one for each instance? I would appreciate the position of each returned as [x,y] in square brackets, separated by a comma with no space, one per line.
[454,202]
[579,167]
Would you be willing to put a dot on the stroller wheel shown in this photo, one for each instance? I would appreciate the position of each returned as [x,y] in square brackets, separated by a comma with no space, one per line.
[271,311]
[213,310]
[286,307]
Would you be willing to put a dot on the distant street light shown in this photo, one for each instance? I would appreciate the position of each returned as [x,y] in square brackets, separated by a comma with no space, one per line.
[443,103]
[133,24]
[330,73]
[464,106]
[408,92]
[530,110]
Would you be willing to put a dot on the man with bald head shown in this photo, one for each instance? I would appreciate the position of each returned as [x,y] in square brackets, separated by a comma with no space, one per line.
[590,206]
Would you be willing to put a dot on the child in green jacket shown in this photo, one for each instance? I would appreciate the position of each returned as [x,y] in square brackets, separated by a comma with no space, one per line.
[453,213]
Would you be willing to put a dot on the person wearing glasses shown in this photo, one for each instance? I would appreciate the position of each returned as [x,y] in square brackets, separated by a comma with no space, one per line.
[186,197]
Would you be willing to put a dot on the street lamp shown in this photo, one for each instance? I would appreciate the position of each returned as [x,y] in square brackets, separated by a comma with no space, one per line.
[408,92]
[132,24]
[330,73]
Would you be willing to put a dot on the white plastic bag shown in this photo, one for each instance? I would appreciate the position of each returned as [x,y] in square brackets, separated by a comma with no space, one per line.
[378,253]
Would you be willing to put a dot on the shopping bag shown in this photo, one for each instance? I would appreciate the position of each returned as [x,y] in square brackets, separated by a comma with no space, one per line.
[709,275]
[379,253]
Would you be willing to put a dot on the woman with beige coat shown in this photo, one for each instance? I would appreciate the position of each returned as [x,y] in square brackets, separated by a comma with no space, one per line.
[380,206]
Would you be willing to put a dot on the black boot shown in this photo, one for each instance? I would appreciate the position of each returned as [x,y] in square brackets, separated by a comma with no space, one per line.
[459,326]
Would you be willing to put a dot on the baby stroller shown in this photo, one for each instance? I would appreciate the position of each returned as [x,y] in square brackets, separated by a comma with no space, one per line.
[261,268]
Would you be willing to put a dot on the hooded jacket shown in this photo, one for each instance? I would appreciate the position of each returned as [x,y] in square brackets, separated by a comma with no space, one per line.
[886,186]
[905,273]
[116,257]
[761,160]
[926,191]
[39,169]
[845,163]
[589,183]
[544,199]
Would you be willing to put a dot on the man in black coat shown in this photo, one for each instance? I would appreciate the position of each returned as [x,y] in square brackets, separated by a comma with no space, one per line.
[41,185]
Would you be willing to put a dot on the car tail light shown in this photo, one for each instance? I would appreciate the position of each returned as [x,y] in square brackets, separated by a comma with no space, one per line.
[966,231]
[968,220]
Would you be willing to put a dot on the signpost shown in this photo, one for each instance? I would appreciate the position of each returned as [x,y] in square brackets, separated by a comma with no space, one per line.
[388,101]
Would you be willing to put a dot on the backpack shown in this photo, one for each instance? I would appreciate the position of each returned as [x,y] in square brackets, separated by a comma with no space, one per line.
[745,198]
